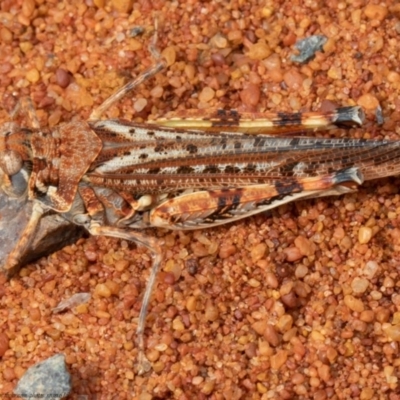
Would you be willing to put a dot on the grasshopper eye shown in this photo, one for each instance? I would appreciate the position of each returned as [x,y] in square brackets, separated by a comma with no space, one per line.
[10,162]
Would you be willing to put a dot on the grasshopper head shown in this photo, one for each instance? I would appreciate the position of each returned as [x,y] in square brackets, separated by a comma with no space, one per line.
[14,171]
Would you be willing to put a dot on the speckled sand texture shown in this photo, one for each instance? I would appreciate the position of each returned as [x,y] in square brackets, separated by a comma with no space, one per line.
[302,303]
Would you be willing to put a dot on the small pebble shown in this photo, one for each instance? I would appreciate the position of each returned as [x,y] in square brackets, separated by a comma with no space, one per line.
[284,323]
[235,36]
[134,44]
[63,78]
[174,268]
[139,104]
[3,344]
[206,94]
[353,303]
[113,287]
[258,252]
[28,7]
[377,12]
[260,326]
[278,359]
[368,101]
[5,35]
[254,283]
[359,285]
[324,372]
[122,6]
[259,51]
[33,75]
[177,324]
[301,271]
[208,387]
[262,389]
[292,254]
[367,394]
[54,118]
[227,251]
[370,269]
[157,92]
[305,246]
[290,300]
[393,332]
[78,95]
[211,312]
[250,96]
[219,41]
[218,59]
[271,280]
[169,54]
[364,234]
[335,73]
[271,335]
[293,79]
[191,304]
[102,290]
[367,316]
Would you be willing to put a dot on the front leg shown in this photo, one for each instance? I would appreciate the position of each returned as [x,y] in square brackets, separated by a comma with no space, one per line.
[13,260]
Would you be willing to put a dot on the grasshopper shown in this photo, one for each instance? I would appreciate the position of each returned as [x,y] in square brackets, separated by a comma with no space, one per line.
[115,177]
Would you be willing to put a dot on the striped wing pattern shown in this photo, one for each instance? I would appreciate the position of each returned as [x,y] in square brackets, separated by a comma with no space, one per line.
[198,179]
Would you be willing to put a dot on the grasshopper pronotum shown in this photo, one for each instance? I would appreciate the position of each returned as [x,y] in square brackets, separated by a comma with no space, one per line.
[115,177]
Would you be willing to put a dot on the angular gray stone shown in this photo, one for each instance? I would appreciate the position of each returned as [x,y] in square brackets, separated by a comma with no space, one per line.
[308,47]
[48,379]
[53,232]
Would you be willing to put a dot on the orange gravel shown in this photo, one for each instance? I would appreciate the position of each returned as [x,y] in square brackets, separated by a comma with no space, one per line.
[301,303]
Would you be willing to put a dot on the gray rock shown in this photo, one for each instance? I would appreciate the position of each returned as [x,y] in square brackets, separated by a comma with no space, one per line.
[307,48]
[53,233]
[48,379]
